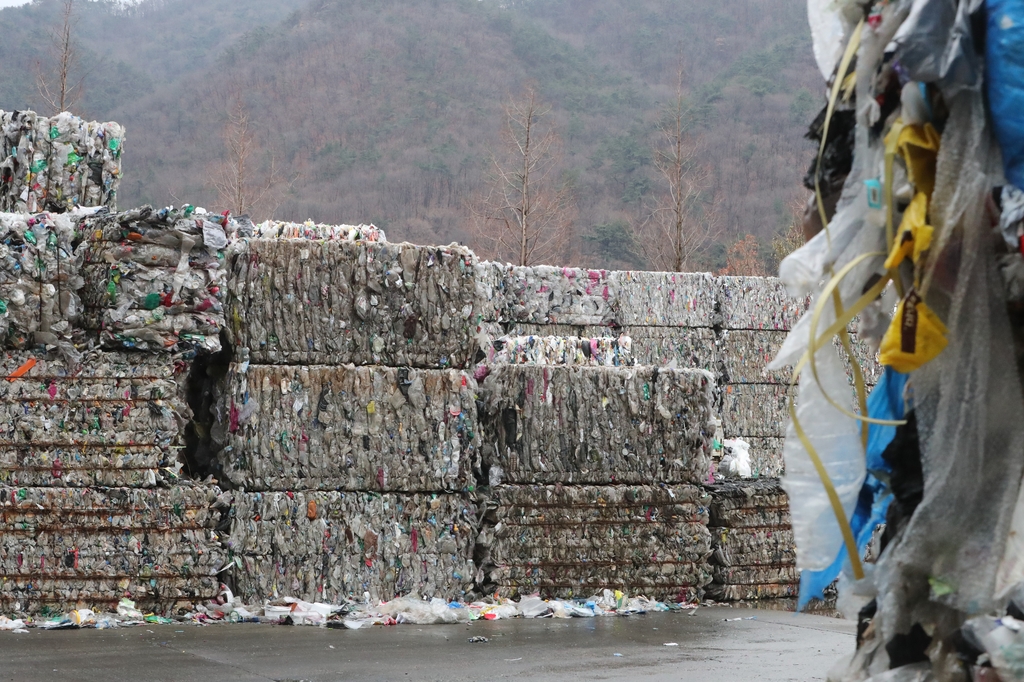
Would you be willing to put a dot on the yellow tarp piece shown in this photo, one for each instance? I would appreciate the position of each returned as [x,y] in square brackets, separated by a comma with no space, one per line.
[915,234]
[915,337]
[919,146]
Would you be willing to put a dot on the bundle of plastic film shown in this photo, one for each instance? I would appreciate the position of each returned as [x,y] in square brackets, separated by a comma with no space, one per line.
[84,163]
[756,410]
[331,546]
[155,279]
[57,163]
[491,291]
[574,541]
[39,280]
[722,592]
[749,504]
[545,294]
[22,168]
[594,425]
[349,428]
[75,546]
[758,303]
[664,299]
[746,353]
[756,575]
[93,365]
[275,229]
[562,350]
[295,301]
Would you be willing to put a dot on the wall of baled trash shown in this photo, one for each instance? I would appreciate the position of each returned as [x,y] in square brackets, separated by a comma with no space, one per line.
[311,411]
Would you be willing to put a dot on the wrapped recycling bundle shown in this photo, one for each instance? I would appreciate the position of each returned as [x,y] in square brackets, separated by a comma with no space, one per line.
[276,229]
[594,425]
[155,279]
[349,428]
[561,350]
[755,575]
[574,541]
[745,356]
[330,546]
[545,294]
[296,301]
[758,303]
[110,419]
[57,163]
[749,504]
[758,592]
[491,291]
[68,546]
[759,410]
[664,299]
[39,280]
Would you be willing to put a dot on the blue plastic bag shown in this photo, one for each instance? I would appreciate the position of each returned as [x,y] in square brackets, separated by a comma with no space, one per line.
[1004,55]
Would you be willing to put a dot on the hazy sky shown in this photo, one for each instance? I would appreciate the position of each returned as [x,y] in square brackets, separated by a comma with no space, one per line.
[12,3]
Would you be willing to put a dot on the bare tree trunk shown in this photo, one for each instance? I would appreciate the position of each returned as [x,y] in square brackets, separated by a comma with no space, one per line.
[237,188]
[526,214]
[56,90]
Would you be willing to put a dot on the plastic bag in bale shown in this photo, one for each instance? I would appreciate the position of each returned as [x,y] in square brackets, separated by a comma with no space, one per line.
[349,428]
[664,299]
[335,302]
[593,425]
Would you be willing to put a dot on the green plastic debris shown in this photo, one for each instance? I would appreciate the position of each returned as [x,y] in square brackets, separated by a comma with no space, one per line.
[151,302]
[38,166]
[54,133]
[3,306]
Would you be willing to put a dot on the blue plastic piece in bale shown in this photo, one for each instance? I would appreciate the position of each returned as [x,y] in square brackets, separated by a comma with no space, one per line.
[1004,56]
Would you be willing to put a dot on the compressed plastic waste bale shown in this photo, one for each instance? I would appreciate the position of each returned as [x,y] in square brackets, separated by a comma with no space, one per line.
[39,280]
[331,546]
[595,425]
[686,347]
[545,294]
[756,410]
[112,419]
[349,428]
[753,547]
[561,350]
[664,299]
[722,592]
[745,355]
[296,301]
[573,541]
[65,546]
[57,163]
[156,279]
[749,504]
[758,303]
[755,575]
[276,229]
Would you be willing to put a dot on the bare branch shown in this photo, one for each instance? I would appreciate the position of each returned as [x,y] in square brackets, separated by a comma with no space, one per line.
[56,89]
[525,215]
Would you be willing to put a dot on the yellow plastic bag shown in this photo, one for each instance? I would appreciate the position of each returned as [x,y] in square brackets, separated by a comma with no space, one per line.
[915,337]
[915,234]
[919,147]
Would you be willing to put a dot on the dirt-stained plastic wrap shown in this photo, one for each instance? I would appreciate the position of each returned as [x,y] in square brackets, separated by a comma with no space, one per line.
[40,279]
[114,419]
[348,428]
[754,550]
[561,350]
[760,410]
[61,547]
[297,301]
[58,163]
[757,303]
[574,541]
[594,425]
[155,280]
[329,546]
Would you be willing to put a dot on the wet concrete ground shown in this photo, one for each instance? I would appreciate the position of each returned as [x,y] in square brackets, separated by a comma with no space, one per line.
[773,646]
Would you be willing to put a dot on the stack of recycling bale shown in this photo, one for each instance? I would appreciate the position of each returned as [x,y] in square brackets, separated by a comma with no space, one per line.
[58,163]
[155,279]
[347,421]
[91,498]
[756,314]
[754,556]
